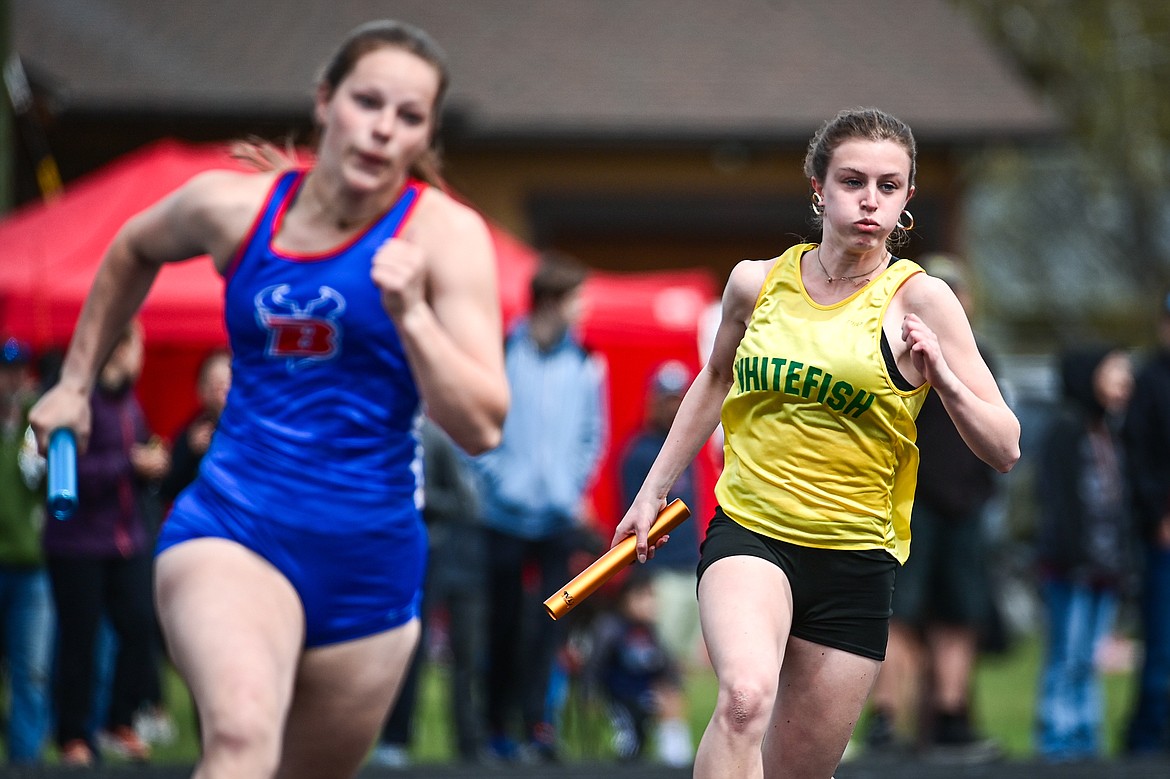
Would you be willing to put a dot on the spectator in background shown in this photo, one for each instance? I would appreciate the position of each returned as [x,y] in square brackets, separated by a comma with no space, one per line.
[454,584]
[100,565]
[942,597]
[1147,440]
[26,605]
[48,367]
[533,489]
[673,567]
[154,723]
[191,443]
[1083,547]
[638,676]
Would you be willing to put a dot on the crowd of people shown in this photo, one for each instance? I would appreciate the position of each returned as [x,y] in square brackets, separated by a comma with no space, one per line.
[70,583]
[372,386]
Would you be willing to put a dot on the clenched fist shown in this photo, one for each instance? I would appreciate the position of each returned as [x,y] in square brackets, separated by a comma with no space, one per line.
[399,270]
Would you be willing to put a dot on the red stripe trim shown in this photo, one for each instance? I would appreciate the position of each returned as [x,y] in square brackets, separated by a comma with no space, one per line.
[418,187]
[411,184]
[238,254]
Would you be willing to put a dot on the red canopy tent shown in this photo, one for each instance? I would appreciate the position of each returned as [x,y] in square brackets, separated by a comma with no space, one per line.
[50,252]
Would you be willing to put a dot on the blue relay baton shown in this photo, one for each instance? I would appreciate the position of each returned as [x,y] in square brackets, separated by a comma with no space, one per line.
[62,473]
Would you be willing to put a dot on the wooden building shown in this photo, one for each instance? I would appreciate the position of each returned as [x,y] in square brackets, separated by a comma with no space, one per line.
[635,134]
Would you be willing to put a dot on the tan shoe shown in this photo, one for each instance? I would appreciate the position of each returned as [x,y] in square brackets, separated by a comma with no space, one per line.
[77,754]
[123,742]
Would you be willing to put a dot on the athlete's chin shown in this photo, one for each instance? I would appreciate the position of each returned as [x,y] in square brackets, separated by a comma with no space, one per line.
[363,180]
[869,241]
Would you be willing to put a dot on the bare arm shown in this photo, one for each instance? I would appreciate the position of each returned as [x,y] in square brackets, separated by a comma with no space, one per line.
[942,351]
[203,216]
[438,284]
[701,406]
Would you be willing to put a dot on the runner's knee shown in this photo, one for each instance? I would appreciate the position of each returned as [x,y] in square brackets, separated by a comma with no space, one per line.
[745,705]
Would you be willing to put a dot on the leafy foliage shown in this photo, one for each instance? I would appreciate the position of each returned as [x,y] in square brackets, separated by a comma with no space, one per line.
[1104,65]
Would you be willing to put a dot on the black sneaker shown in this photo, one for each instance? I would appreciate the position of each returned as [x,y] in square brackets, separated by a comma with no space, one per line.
[880,733]
[956,743]
[881,740]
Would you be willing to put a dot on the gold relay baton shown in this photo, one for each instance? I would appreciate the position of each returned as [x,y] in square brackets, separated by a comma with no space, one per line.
[618,557]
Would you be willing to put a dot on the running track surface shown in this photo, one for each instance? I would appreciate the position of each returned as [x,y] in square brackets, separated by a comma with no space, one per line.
[858,769]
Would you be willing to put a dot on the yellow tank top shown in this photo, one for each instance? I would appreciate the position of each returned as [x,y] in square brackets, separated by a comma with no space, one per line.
[819,444]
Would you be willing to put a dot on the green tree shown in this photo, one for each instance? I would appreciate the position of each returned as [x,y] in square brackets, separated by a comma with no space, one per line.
[1105,67]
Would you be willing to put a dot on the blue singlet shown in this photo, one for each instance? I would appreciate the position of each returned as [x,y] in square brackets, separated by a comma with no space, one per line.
[315,465]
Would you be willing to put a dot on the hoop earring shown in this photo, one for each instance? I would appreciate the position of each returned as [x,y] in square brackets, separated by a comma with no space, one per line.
[901,226]
[818,204]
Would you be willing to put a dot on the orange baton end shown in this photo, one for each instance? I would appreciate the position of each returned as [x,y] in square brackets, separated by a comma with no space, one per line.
[618,557]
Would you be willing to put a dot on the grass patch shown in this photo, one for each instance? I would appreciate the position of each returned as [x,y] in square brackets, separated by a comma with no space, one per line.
[1005,699]
[1005,702]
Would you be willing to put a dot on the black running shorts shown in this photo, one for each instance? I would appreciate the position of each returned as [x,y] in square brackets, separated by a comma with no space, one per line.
[840,598]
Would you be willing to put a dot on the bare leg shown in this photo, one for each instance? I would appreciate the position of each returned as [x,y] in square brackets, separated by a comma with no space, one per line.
[342,695]
[822,692]
[899,684]
[264,708]
[745,606]
[953,649]
[237,655]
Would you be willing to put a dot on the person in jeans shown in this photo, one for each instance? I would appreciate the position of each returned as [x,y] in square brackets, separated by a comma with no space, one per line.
[26,604]
[533,486]
[1083,547]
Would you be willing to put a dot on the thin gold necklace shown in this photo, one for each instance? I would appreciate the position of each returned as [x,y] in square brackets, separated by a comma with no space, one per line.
[851,279]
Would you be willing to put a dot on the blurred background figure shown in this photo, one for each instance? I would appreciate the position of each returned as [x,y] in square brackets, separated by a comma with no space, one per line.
[26,605]
[100,566]
[454,589]
[942,596]
[1147,439]
[190,443]
[638,677]
[534,489]
[153,723]
[1083,547]
[673,566]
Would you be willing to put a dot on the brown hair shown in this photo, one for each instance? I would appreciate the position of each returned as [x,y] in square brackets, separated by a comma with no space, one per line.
[371,36]
[869,124]
[263,155]
[386,33]
[555,278]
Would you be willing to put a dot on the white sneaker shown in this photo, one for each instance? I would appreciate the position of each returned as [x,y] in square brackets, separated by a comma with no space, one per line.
[155,727]
[674,743]
[390,756]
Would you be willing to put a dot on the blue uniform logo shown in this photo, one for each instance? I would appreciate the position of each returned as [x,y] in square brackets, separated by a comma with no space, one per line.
[300,333]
